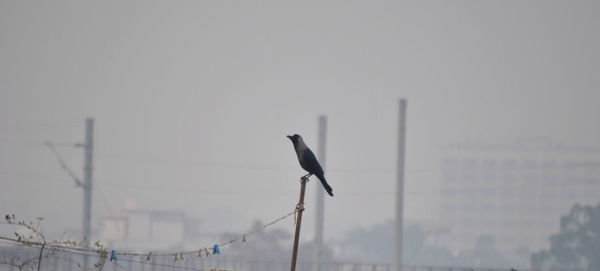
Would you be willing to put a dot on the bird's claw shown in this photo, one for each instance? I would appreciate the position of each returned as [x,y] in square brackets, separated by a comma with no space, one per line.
[305,178]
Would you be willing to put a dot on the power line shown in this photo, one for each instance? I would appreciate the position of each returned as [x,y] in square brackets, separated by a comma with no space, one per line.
[63,164]
[19,127]
[103,197]
[195,163]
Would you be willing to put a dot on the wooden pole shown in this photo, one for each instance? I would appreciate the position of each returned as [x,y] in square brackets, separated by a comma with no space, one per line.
[299,210]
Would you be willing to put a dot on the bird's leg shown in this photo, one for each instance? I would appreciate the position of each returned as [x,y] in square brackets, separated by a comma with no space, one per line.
[305,177]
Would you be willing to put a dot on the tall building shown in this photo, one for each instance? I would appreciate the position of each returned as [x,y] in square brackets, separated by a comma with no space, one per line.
[514,192]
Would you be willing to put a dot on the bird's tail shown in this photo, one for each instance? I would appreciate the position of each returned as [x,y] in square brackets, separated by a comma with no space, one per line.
[326,185]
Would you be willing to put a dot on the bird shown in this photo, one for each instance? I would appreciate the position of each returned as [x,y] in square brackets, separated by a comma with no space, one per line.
[309,162]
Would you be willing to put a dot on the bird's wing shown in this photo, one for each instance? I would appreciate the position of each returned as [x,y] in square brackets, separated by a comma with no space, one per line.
[313,166]
[311,163]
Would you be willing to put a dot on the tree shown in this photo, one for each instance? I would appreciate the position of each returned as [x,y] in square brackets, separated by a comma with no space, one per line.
[377,245]
[576,246]
[484,253]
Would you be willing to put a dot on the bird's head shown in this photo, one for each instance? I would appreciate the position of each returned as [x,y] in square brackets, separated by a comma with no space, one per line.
[295,138]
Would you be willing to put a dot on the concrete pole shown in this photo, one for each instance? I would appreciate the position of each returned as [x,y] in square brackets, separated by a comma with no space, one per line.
[87,185]
[320,212]
[400,183]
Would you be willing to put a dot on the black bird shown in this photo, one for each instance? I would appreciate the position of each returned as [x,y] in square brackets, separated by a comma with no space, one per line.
[309,162]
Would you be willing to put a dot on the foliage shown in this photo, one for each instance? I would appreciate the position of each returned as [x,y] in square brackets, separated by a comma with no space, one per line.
[484,253]
[576,246]
[29,235]
[377,245]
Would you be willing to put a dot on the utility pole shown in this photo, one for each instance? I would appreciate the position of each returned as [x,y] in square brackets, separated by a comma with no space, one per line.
[88,147]
[320,219]
[400,183]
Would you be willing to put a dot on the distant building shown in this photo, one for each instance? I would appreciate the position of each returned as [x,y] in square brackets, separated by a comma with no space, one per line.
[515,192]
[144,228]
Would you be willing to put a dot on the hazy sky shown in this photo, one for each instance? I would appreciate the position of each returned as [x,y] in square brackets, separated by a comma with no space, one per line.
[193,99]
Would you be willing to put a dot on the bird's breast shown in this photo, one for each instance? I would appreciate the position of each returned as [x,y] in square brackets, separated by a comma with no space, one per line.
[300,154]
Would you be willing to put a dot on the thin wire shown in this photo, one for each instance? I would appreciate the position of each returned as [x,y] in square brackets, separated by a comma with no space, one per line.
[63,164]
[98,251]
[159,264]
[115,262]
[28,127]
[183,162]
[103,197]
[243,236]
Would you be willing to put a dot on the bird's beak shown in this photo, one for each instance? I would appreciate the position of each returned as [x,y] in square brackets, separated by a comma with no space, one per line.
[290,137]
